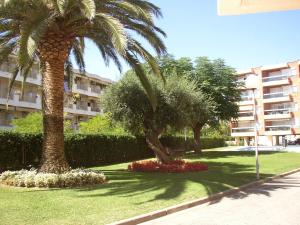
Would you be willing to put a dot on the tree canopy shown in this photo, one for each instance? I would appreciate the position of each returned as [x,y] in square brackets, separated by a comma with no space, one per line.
[216,85]
[128,104]
[218,81]
[213,78]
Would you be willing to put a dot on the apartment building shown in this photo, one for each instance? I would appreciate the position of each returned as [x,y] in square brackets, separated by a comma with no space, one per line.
[269,105]
[81,102]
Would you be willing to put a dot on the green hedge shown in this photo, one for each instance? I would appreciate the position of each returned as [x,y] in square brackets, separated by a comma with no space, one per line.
[24,150]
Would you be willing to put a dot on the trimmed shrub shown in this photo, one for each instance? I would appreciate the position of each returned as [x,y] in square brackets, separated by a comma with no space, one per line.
[19,150]
[32,178]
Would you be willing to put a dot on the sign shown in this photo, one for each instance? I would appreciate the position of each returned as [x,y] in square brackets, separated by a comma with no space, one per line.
[237,7]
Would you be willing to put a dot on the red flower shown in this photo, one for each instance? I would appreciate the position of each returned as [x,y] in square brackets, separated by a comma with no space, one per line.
[176,166]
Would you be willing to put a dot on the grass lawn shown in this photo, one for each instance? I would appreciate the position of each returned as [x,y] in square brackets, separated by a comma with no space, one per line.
[130,194]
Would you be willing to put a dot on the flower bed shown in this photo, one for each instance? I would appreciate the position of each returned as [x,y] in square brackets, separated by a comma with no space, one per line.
[32,178]
[176,166]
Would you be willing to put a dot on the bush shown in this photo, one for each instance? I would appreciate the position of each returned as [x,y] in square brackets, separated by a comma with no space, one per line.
[33,123]
[101,124]
[177,166]
[31,178]
[19,150]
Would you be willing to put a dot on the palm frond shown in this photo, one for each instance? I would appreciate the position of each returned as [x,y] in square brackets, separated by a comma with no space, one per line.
[139,71]
[78,52]
[89,8]
[69,73]
[114,28]
[11,83]
[140,50]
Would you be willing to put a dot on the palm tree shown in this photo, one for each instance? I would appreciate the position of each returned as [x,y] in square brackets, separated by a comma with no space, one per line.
[52,30]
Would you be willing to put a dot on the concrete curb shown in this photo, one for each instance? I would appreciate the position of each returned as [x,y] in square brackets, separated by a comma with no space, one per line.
[186,205]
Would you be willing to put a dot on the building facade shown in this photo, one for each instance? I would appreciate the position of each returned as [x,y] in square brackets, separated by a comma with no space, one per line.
[269,105]
[80,103]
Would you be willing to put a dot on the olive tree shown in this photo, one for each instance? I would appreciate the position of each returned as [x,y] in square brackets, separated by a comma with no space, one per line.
[128,104]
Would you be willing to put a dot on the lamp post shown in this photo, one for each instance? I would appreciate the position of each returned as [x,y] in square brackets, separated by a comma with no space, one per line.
[256,135]
[252,83]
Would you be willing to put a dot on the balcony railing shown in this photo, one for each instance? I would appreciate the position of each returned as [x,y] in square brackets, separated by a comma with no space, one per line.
[276,95]
[96,89]
[4,122]
[278,111]
[242,129]
[95,109]
[81,106]
[278,128]
[68,104]
[31,75]
[4,94]
[82,86]
[6,68]
[246,98]
[31,99]
[246,114]
[275,78]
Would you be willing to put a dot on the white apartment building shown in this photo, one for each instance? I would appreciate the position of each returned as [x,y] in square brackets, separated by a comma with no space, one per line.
[272,92]
[81,103]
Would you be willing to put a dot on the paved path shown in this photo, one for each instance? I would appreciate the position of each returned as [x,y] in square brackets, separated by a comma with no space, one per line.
[273,203]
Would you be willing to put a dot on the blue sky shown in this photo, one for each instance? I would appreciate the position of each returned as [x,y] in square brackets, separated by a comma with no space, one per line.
[194,29]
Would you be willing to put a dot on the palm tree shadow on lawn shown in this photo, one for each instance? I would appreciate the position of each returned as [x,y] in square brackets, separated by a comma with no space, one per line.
[220,176]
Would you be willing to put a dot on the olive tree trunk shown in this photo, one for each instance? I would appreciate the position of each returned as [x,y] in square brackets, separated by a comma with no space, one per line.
[197,137]
[161,152]
[53,53]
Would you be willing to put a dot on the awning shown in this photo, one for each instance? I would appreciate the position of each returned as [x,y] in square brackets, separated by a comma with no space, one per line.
[236,7]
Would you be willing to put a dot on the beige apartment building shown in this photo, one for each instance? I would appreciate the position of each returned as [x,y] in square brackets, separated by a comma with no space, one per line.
[269,105]
[81,103]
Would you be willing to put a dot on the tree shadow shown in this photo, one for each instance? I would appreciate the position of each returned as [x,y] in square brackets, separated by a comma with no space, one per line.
[227,154]
[265,189]
[221,176]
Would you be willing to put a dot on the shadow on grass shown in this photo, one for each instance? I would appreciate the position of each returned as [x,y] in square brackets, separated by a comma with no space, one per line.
[206,154]
[220,176]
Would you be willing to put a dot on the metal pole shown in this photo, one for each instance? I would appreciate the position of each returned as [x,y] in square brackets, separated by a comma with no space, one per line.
[256,137]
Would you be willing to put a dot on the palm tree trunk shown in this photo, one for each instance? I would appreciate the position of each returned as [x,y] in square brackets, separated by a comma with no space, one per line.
[53,158]
[53,54]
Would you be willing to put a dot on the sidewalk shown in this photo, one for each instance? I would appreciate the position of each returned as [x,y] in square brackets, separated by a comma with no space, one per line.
[273,203]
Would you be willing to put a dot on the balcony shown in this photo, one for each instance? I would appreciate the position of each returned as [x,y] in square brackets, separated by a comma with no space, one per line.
[278,130]
[5,127]
[278,113]
[81,106]
[246,116]
[82,86]
[86,90]
[33,102]
[31,78]
[81,109]
[96,89]
[246,108]
[5,123]
[277,97]
[95,108]
[246,100]
[242,132]
[276,80]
